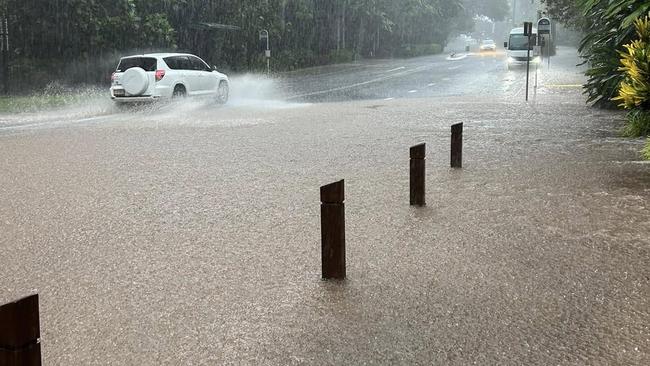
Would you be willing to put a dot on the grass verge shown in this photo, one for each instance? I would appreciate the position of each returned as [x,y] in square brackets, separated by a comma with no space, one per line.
[33,103]
[638,124]
[646,150]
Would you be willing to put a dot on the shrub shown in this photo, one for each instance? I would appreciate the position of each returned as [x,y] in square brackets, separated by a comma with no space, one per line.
[646,150]
[290,60]
[637,124]
[341,56]
[608,26]
[634,91]
[415,50]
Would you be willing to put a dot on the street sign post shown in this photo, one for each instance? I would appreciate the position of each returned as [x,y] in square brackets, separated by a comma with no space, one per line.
[528,28]
[528,31]
[544,27]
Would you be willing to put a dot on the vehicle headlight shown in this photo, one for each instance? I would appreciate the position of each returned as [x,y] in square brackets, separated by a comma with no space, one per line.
[511,60]
[537,60]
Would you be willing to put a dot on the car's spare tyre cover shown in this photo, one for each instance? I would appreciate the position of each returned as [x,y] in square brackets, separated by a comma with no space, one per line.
[135,81]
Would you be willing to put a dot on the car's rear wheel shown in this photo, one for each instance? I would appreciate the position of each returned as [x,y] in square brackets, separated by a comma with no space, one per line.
[223,93]
[179,92]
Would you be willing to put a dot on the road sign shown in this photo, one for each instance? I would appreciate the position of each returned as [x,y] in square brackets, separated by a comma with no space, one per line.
[528,29]
[264,40]
[544,26]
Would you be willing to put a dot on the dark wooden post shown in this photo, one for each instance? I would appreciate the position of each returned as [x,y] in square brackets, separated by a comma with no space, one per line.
[416,186]
[20,332]
[332,210]
[457,145]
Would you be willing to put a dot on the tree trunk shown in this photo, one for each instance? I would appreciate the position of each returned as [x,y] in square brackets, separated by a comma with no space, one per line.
[345,5]
[338,27]
[362,31]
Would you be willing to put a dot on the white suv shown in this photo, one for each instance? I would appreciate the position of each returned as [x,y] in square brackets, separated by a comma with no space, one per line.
[145,78]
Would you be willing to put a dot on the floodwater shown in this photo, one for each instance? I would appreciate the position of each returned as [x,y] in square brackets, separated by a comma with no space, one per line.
[92,106]
[192,236]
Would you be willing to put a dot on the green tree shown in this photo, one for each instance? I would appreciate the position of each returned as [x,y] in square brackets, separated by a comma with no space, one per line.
[78,37]
[497,10]
[567,12]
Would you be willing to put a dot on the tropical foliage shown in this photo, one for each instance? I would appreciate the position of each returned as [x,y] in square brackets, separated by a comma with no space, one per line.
[614,29]
[607,26]
[634,91]
[646,151]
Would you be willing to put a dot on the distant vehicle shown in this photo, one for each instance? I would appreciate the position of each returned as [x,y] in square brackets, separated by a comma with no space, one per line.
[487,45]
[150,77]
[517,48]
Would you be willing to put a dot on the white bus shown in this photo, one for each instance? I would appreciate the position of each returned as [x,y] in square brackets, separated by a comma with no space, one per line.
[517,48]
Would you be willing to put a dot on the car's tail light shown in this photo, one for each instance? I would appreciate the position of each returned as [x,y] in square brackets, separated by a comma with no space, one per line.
[113,77]
[160,74]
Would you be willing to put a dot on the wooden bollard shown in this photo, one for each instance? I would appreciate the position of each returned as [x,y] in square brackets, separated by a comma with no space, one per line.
[457,145]
[20,333]
[417,163]
[332,210]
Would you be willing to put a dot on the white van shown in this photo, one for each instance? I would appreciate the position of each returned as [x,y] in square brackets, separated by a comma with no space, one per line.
[517,48]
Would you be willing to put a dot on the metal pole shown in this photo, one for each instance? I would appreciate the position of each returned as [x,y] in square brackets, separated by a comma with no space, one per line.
[2,40]
[527,65]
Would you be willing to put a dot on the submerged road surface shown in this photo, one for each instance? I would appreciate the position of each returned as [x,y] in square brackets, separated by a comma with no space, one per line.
[190,235]
[431,76]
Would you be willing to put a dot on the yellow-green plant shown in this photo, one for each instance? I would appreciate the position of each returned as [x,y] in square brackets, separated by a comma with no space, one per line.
[634,92]
[646,151]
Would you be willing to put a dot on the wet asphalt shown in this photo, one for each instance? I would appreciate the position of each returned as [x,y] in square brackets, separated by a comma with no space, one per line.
[190,235]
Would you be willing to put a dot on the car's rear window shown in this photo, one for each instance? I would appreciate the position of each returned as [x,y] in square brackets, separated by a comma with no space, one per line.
[146,63]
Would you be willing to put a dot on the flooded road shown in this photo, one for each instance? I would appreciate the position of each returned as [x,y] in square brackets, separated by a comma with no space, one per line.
[191,235]
[471,74]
